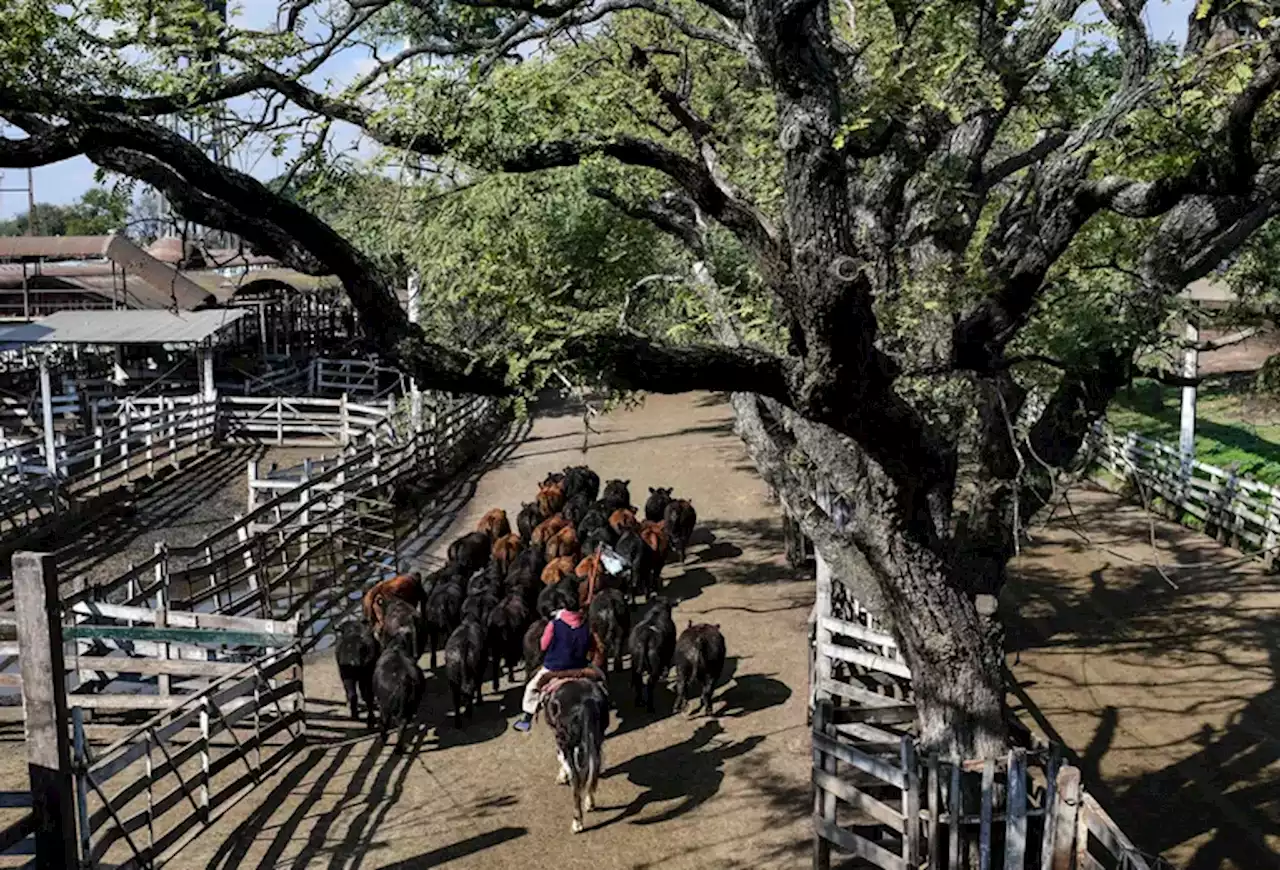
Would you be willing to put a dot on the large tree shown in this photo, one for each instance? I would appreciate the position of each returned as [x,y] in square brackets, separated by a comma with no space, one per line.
[915,186]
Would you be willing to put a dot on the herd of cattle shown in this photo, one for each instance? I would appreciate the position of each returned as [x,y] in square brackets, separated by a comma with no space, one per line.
[489,605]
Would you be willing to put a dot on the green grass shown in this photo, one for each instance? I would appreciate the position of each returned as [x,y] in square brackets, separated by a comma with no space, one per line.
[1234,425]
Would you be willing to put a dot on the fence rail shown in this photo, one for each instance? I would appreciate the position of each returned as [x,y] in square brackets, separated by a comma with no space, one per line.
[877,798]
[1238,511]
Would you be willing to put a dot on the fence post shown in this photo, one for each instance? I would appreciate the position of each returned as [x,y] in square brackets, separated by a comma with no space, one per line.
[44,702]
[821,664]
[172,411]
[162,609]
[1066,805]
[149,440]
[253,478]
[82,783]
[1271,536]
[97,455]
[1226,515]
[1015,826]
[822,802]
[910,804]
[344,418]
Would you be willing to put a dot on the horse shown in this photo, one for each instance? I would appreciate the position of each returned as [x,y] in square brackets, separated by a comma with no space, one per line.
[578,711]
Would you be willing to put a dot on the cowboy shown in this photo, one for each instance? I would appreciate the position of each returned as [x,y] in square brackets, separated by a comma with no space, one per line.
[570,645]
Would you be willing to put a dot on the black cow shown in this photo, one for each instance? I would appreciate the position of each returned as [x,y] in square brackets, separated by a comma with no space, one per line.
[699,661]
[357,655]
[652,643]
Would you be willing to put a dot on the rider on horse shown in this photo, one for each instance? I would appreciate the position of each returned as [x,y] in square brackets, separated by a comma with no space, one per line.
[570,647]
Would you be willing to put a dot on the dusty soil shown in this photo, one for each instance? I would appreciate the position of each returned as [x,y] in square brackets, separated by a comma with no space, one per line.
[729,791]
[180,509]
[1168,697]
[1247,356]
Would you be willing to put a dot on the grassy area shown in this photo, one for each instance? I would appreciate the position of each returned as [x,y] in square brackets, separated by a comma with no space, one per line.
[1234,425]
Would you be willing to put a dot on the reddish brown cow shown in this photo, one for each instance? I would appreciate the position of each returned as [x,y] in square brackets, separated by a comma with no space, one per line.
[623,520]
[406,587]
[563,543]
[655,535]
[556,570]
[494,524]
[505,550]
[550,499]
[548,529]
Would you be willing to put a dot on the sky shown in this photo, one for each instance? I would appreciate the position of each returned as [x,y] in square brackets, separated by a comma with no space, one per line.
[66,181]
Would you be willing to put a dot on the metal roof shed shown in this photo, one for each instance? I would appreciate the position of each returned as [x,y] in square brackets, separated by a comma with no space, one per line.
[124,327]
[121,327]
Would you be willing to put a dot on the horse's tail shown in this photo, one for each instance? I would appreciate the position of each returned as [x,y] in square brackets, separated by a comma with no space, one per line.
[584,755]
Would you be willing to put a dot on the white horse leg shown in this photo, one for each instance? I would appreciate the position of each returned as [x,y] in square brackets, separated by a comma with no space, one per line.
[562,777]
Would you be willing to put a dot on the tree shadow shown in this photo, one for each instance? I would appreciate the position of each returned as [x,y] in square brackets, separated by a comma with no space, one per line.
[688,773]
[751,693]
[687,585]
[1215,638]
[460,849]
[717,551]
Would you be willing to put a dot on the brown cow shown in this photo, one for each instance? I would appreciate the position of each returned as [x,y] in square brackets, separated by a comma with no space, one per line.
[563,543]
[505,550]
[548,529]
[407,587]
[550,499]
[495,525]
[623,520]
[655,535]
[556,570]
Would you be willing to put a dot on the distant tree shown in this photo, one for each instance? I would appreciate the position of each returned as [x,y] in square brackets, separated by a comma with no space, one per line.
[99,212]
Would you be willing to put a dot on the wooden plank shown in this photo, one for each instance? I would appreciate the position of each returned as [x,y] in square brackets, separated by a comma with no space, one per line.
[155,667]
[866,659]
[860,695]
[859,731]
[1066,806]
[859,800]
[1015,838]
[187,619]
[858,632]
[214,636]
[910,804]
[882,770]
[984,833]
[35,586]
[823,800]
[847,841]
[935,847]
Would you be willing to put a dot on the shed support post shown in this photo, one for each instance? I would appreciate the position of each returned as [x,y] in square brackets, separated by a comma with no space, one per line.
[118,374]
[46,418]
[1187,430]
[44,701]
[415,394]
[204,356]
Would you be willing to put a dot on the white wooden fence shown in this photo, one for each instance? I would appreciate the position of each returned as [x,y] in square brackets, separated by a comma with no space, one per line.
[300,421]
[1238,511]
[140,437]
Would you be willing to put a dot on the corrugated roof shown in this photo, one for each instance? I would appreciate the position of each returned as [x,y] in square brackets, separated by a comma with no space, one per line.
[123,327]
[53,247]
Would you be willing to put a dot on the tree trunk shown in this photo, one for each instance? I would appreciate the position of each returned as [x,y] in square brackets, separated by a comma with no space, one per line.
[955,652]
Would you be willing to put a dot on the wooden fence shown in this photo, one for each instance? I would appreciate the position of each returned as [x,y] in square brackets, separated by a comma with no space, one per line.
[1240,512]
[220,693]
[144,437]
[144,796]
[355,377]
[877,798]
[300,422]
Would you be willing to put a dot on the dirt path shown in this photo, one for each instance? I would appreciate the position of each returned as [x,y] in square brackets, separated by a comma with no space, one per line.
[1168,697]
[725,792]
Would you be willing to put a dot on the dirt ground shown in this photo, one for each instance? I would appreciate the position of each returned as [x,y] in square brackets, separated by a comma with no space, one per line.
[1247,356]
[1168,697]
[730,791]
[180,509]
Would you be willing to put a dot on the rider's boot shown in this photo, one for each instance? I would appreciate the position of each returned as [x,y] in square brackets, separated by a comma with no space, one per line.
[524,723]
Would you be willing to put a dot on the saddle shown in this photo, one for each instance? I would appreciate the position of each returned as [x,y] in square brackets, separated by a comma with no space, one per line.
[552,680]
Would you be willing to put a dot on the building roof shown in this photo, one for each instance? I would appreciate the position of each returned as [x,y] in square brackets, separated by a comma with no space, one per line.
[1211,293]
[123,327]
[53,247]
